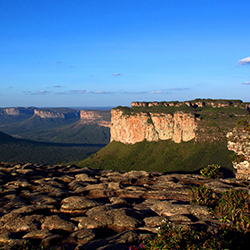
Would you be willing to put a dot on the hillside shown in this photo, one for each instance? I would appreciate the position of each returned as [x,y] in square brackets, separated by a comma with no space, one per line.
[163,156]
[19,150]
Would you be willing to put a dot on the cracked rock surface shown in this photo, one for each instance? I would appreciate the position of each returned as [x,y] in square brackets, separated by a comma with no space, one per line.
[68,207]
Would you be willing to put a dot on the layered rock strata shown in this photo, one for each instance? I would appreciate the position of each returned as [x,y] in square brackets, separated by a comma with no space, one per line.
[102,118]
[239,142]
[70,113]
[133,128]
[67,207]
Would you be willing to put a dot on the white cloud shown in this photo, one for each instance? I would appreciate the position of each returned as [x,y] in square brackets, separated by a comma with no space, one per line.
[244,61]
[116,74]
[89,92]
[168,91]
[40,92]
[102,92]
[160,92]
[57,86]
[246,83]
[134,92]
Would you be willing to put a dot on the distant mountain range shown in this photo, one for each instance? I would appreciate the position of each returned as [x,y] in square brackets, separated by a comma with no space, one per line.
[60,125]
[51,135]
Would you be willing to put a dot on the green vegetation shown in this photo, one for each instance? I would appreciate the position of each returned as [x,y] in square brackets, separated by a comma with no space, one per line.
[171,237]
[163,156]
[155,109]
[202,195]
[245,123]
[211,171]
[91,134]
[17,150]
[232,210]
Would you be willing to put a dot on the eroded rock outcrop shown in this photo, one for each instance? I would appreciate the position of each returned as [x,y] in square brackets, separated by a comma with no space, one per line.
[68,207]
[140,126]
[239,142]
[52,113]
[102,118]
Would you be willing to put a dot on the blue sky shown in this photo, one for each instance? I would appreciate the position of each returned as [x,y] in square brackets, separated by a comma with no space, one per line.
[112,52]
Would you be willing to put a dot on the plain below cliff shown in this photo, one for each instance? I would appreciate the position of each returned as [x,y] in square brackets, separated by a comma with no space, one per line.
[163,156]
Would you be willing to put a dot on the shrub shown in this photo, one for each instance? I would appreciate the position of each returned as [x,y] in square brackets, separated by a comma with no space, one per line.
[203,195]
[172,237]
[211,171]
[234,208]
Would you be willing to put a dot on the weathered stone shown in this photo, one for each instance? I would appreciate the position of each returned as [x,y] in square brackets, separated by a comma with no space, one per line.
[43,199]
[6,237]
[55,222]
[82,236]
[154,221]
[51,240]
[90,223]
[23,224]
[67,207]
[77,204]
[37,234]
[118,201]
[85,178]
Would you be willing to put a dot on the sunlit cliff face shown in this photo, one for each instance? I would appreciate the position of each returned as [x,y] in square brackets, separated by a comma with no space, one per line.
[152,127]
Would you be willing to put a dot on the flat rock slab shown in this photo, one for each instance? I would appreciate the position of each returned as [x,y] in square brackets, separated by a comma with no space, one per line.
[67,207]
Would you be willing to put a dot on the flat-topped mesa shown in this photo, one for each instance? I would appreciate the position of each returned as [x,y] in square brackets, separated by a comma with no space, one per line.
[56,113]
[239,142]
[48,114]
[136,127]
[102,118]
[15,111]
[196,103]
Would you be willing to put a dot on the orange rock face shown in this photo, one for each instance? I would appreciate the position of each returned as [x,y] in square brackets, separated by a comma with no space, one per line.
[92,117]
[48,114]
[152,127]
[12,111]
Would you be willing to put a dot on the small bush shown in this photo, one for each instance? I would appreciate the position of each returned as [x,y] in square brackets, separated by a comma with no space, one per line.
[172,237]
[203,195]
[211,171]
[234,208]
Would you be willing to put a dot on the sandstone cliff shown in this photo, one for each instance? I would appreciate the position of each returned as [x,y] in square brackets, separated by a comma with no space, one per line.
[48,114]
[102,118]
[16,111]
[239,142]
[137,127]
[56,113]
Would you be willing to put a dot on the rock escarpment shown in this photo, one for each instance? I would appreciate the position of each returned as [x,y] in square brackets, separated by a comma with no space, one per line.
[196,103]
[239,142]
[67,207]
[102,118]
[137,127]
[56,113]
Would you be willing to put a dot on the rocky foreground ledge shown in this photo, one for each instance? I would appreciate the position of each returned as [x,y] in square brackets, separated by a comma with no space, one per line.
[68,207]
